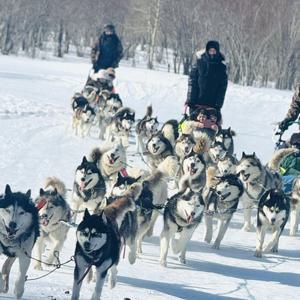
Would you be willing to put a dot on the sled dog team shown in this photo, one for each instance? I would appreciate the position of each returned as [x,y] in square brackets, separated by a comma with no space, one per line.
[120,203]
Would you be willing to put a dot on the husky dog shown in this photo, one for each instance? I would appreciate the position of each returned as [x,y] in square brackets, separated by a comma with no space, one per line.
[194,175]
[83,115]
[256,179]
[108,109]
[19,229]
[54,213]
[158,148]
[98,244]
[225,136]
[153,197]
[145,128]
[121,124]
[221,200]
[89,187]
[184,146]
[122,184]
[216,152]
[110,161]
[273,212]
[170,131]
[182,214]
[295,207]
[227,165]
[128,222]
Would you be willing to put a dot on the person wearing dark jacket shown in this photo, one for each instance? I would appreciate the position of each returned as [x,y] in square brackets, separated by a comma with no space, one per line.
[208,80]
[293,111]
[107,51]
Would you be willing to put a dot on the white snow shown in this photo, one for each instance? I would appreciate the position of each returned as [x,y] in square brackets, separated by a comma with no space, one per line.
[36,142]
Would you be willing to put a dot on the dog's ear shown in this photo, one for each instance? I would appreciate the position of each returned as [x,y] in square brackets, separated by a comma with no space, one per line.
[243,154]
[8,191]
[42,192]
[28,194]
[86,214]
[84,160]
[104,219]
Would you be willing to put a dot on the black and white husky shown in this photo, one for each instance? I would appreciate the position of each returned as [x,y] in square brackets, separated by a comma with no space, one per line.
[184,146]
[256,179]
[216,152]
[89,187]
[221,200]
[194,173]
[108,108]
[273,212]
[158,148]
[183,213]
[19,229]
[120,125]
[83,115]
[145,128]
[98,244]
[225,136]
[54,213]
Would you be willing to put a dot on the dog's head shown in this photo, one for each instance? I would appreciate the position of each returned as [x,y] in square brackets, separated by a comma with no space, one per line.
[249,167]
[190,206]
[151,125]
[52,207]
[229,187]
[92,232]
[127,119]
[116,156]
[122,185]
[157,144]
[17,213]
[184,145]
[274,204]
[217,151]
[87,175]
[112,105]
[88,114]
[193,165]
[227,165]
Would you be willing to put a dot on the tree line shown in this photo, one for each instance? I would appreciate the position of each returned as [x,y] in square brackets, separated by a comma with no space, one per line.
[260,38]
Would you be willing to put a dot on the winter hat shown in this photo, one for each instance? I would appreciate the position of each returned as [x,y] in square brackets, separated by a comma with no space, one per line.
[109,27]
[213,44]
[295,139]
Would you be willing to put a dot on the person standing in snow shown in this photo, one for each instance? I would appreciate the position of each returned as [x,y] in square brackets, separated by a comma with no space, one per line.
[107,51]
[208,81]
[293,112]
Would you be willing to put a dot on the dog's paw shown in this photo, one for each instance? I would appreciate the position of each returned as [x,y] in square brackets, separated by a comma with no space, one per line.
[175,246]
[163,263]
[38,267]
[293,232]
[258,253]
[274,249]
[132,257]
[248,227]
[216,246]
[208,239]
[19,290]
[182,260]
[95,296]
[2,290]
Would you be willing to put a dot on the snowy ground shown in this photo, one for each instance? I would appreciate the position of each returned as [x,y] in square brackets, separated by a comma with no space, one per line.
[36,142]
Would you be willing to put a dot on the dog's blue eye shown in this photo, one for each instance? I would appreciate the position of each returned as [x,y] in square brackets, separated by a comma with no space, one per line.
[7,210]
[21,213]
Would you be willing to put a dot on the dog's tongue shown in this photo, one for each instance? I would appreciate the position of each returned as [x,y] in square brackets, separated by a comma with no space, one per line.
[82,185]
[45,222]
[190,219]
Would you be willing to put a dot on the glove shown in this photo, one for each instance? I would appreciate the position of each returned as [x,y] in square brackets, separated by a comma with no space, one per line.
[284,125]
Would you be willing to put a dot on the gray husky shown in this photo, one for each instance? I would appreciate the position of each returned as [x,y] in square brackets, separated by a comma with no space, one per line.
[145,128]
[225,136]
[19,229]
[273,212]
[221,200]
[54,213]
[256,179]
[183,213]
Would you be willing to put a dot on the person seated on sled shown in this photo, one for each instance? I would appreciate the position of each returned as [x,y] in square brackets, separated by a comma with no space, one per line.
[289,162]
[293,112]
[202,120]
[208,81]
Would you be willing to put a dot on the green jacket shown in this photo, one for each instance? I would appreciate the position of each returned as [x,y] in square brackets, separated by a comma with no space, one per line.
[290,165]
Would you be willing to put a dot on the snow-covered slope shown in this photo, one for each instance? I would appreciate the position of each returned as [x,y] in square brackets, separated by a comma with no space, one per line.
[36,141]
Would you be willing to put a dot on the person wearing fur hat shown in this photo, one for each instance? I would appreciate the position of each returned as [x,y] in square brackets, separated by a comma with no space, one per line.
[107,51]
[208,80]
[293,112]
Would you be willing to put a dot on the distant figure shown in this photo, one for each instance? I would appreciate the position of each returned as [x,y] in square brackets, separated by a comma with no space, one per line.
[107,51]
[208,81]
[293,112]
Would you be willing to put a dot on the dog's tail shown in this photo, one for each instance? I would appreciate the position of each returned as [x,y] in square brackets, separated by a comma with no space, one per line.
[211,173]
[273,164]
[96,155]
[232,132]
[170,166]
[57,184]
[202,144]
[149,111]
